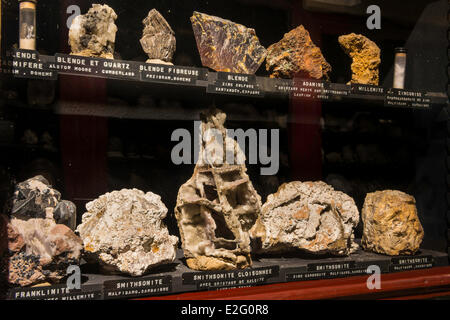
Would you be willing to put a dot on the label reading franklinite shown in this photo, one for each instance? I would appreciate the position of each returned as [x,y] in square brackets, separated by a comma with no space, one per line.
[236,84]
[171,74]
[27,64]
[148,286]
[96,67]
[405,98]
[411,263]
[57,292]
[230,279]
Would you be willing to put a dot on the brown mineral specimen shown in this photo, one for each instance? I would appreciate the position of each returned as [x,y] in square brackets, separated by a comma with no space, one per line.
[310,216]
[227,46]
[391,223]
[296,54]
[94,34]
[218,209]
[366,58]
[158,39]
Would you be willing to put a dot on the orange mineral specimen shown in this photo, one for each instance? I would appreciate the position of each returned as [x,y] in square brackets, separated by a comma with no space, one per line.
[296,54]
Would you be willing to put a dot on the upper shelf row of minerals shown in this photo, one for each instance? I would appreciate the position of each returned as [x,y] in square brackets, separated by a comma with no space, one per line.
[226,46]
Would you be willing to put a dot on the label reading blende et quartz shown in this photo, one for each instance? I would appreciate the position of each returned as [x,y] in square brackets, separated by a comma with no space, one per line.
[28,64]
[230,279]
[95,67]
[56,292]
[411,263]
[128,288]
[236,84]
[172,74]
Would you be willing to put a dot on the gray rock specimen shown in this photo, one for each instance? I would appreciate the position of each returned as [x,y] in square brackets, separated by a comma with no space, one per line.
[158,38]
[310,216]
[123,231]
[94,34]
[35,198]
[218,209]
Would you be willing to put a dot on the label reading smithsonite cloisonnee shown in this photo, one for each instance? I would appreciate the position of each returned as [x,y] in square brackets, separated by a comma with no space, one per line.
[230,279]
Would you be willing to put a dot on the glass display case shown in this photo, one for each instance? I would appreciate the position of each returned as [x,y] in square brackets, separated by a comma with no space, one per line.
[152,149]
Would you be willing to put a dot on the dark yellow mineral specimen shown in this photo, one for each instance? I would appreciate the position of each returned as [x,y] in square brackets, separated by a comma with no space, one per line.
[296,54]
[227,46]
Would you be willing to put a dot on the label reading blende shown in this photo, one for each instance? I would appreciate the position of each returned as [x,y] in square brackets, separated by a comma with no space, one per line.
[406,98]
[57,292]
[95,67]
[230,279]
[128,288]
[28,64]
[236,84]
[411,263]
[172,74]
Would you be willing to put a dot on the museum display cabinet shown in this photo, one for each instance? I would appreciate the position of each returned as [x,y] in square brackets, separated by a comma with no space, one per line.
[244,149]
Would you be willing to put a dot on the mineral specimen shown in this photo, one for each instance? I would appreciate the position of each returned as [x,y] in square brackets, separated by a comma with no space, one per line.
[366,58]
[296,54]
[35,198]
[391,223]
[310,216]
[158,39]
[218,209]
[123,231]
[39,250]
[227,46]
[94,34]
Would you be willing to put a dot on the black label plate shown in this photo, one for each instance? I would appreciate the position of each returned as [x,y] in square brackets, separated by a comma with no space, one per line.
[128,288]
[172,74]
[236,84]
[411,263]
[406,98]
[56,292]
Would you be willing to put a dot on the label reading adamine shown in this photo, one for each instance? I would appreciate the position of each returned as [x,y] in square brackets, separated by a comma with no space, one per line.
[236,84]
[404,98]
[172,74]
[310,89]
[230,279]
[128,288]
[411,263]
[95,67]
[27,64]
[57,292]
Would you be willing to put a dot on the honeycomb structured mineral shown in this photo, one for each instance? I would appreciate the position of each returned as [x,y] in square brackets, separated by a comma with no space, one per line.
[39,250]
[35,198]
[123,231]
[296,54]
[158,38]
[366,58]
[310,216]
[218,210]
[227,46]
[94,34]
[391,223]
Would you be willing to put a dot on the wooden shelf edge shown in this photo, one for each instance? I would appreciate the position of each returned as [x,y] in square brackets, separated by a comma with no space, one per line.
[436,279]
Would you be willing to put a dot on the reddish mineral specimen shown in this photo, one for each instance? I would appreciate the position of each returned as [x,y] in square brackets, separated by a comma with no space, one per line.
[227,46]
[296,54]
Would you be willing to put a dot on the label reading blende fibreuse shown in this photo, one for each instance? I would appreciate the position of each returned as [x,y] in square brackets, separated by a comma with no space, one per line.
[230,279]
[28,64]
[129,288]
[406,98]
[172,74]
[236,84]
[95,67]
[411,263]
[57,292]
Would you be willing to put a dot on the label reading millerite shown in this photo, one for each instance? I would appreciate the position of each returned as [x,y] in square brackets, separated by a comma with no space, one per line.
[236,84]
[228,279]
[148,286]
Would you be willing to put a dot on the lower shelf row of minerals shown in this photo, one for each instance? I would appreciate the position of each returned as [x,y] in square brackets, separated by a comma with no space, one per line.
[221,218]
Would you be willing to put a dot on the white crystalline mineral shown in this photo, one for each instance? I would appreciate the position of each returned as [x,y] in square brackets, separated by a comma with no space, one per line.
[124,232]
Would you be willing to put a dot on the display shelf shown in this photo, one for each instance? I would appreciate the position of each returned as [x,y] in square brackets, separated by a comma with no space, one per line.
[31,65]
[177,278]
